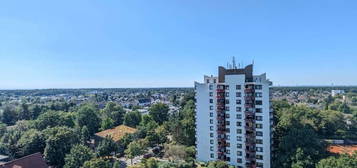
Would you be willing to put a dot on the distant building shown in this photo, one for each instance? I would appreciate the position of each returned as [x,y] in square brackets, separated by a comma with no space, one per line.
[31,161]
[234,118]
[144,102]
[337,92]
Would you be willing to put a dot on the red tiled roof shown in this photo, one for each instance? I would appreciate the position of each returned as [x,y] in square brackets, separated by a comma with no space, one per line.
[342,149]
[30,161]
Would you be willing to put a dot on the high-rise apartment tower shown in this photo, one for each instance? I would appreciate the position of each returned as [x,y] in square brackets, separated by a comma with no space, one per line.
[234,118]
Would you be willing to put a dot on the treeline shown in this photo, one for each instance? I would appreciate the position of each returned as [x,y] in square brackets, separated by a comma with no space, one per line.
[299,134]
[62,132]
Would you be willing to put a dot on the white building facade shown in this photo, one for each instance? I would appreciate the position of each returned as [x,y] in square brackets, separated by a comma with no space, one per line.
[234,118]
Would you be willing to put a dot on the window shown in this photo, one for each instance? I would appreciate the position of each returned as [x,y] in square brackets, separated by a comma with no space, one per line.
[228,130]
[227,94]
[239,138]
[228,123]
[238,101]
[239,131]
[258,110]
[211,107]
[239,124]
[239,153]
[211,141]
[211,114]
[228,159]
[211,148]
[210,87]
[239,109]
[228,137]
[259,165]
[227,108]
[258,87]
[259,141]
[258,102]
[228,144]
[259,133]
[227,116]
[211,121]
[227,87]
[239,116]
[228,151]
[239,160]
[214,80]
[259,126]
[259,157]
[210,100]
[259,149]
[239,146]
[238,94]
[210,94]
[227,101]
[238,87]
[211,128]
[258,94]
[212,155]
[207,80]
[259,118]
[211,135]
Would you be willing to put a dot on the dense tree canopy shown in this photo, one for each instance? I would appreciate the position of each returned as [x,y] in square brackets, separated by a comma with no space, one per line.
[59,142]
[77,156]
[159,112]
[343,161]
[87,116]
[132,119]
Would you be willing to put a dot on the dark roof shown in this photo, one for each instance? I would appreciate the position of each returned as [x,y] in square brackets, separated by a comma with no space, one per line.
[30,161]
[144,100]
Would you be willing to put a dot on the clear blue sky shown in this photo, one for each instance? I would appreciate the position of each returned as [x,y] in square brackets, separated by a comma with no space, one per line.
[167,43]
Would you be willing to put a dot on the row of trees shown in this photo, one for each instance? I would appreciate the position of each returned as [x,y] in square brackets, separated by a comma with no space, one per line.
[62,131]
[300,131]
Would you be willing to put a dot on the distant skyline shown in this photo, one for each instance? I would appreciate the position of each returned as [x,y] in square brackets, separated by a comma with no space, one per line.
[158,43]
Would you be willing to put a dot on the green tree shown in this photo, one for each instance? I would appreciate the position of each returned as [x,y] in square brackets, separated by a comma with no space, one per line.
[114,112]
[51,119]
[218,164]
[2,129]
[344,108]
[188,125]
[59,142]
[343,161]
[297,128]
[35,111]
[107,123]
[159,112]
[151,163]
[301,160]
[31,141]
[24,112]
[96,163]
[9,115]
[85,136]
[135,148]
[87,116]
[77,156]
[132,119]
[106,147]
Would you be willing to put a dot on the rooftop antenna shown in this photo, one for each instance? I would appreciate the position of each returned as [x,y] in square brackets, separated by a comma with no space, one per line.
[234,63]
